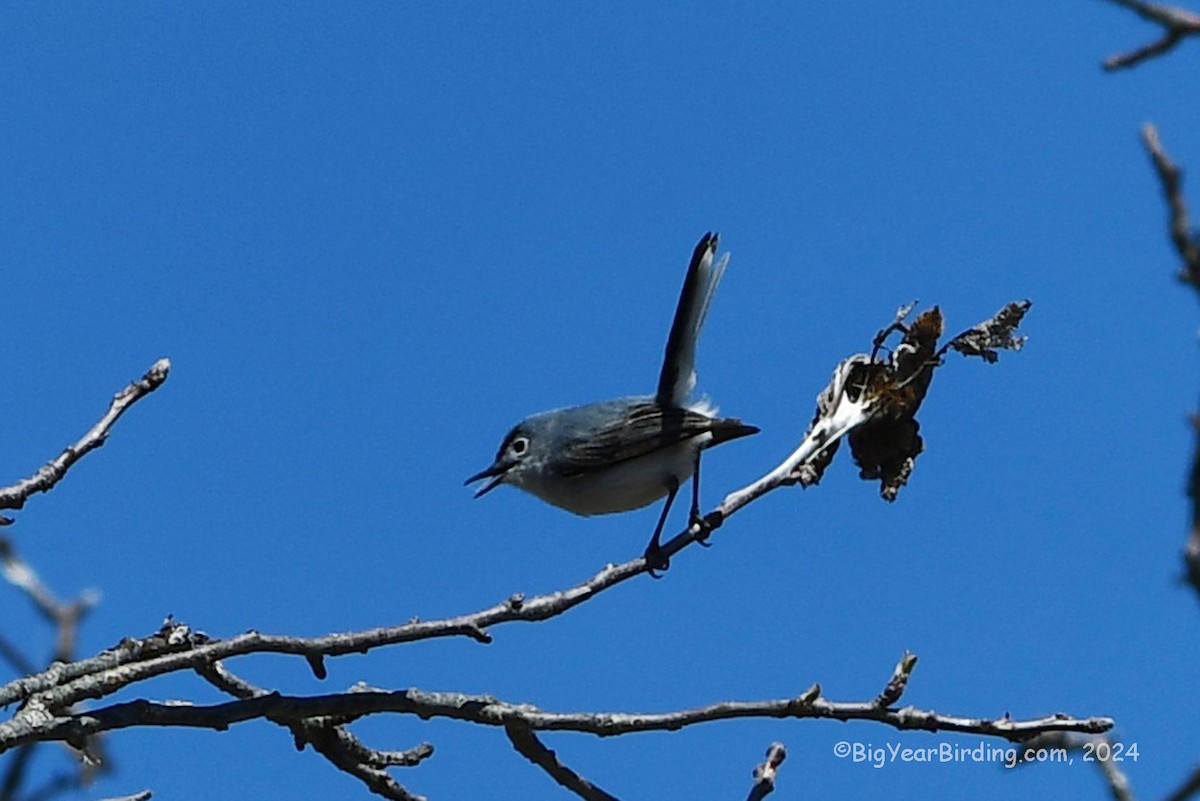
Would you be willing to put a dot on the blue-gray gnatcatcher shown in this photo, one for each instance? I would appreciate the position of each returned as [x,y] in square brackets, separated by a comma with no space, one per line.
[624,454]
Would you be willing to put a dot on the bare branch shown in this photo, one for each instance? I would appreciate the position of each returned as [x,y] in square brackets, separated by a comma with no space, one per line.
[65,617]
[177,647]
[36,722]
[1176,23]
[1118,782]
[347,753]
[1099,749]
[766,773]
[1171,177]
[529,746]
[1189,788]
[14,496]
[1191,549]
[1187,244]
[329,738]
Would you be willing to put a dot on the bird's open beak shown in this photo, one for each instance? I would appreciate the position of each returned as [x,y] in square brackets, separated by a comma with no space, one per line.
[496,473]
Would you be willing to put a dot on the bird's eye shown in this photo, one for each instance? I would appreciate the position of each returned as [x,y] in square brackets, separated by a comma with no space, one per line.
[519,446]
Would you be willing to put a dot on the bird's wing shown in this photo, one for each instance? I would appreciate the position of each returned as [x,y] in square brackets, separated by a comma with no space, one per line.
[678,376]
[642,429]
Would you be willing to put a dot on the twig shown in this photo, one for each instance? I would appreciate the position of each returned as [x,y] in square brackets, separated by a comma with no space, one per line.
[14,496]
[36,722]
[528,745]
[1187,244]
[65,617]
[1190,786]
[1171,177]
[330,739]
[1177,23]
[1191,549]
[898,683]
[766,773]
[1118,782]
[1102,750]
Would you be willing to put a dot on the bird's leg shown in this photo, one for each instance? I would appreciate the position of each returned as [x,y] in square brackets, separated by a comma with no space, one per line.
[654,556]
[695,518]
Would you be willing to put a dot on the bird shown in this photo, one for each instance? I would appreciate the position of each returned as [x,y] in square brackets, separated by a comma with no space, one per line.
[624,454]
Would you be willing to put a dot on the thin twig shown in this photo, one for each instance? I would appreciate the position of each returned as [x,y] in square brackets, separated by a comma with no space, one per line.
[528,745]
[1182,236]
[1189,788]
[1187,245]
[332,740]
[898,683]
[15,495]
[766,773]
[1177,23]
[1118,782]
[65,617]
[1102,750]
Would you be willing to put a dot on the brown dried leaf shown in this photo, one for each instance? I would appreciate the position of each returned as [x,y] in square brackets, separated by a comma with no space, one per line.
[998,333]
[886,447]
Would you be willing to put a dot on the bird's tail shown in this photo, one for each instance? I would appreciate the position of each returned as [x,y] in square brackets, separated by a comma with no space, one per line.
[678,376]
[727,428]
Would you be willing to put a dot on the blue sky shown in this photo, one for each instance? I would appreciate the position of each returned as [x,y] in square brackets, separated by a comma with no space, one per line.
[372,237]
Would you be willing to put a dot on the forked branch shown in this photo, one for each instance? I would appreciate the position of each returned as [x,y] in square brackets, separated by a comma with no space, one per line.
[308,716]
[1177,24]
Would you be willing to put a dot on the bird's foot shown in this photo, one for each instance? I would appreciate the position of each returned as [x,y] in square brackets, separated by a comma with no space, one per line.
[656,560]
[704,528]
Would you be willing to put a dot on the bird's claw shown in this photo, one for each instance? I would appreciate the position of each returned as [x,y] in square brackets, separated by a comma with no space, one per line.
[704,528]
[656,560]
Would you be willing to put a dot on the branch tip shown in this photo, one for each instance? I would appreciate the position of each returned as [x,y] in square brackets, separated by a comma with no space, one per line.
[766,773]
[15,495]
[898,683]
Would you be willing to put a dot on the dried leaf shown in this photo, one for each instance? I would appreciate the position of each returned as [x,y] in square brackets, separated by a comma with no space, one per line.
[998,333]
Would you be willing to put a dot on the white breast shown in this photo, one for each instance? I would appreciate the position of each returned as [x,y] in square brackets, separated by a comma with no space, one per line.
[627,485]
